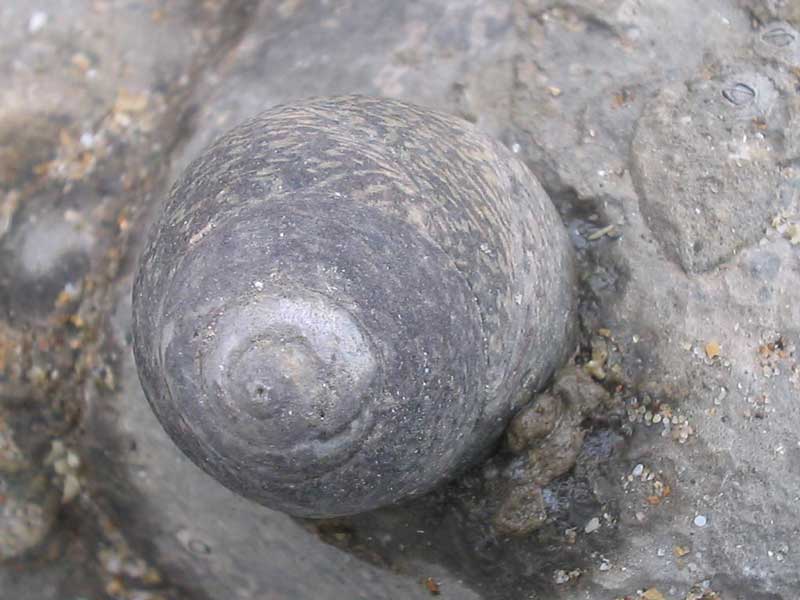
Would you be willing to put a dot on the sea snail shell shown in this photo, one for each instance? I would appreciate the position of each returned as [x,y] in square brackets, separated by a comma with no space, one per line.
[345,299]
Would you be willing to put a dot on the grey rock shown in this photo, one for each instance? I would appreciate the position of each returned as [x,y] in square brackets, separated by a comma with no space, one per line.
[29,496]
[707,163]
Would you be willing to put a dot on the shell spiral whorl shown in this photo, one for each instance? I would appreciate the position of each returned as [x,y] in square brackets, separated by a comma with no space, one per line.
[344,300]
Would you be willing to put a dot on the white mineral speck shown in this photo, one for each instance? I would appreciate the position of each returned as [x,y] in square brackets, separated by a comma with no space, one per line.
[37,21]
[700,521]
[87,139]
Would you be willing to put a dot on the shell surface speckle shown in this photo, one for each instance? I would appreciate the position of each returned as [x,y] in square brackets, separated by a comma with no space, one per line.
[345,299]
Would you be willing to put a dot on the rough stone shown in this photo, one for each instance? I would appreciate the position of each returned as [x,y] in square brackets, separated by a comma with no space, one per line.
[707,159]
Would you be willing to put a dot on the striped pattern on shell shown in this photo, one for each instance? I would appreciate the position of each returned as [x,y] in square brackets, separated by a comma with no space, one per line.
[345,299]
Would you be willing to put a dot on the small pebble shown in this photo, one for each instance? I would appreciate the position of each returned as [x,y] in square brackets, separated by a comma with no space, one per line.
[592,525]
[713,350]
[700,521]
[87,139]
[37,21]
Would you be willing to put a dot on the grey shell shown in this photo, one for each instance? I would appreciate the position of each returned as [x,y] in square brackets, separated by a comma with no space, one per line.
[345,299]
